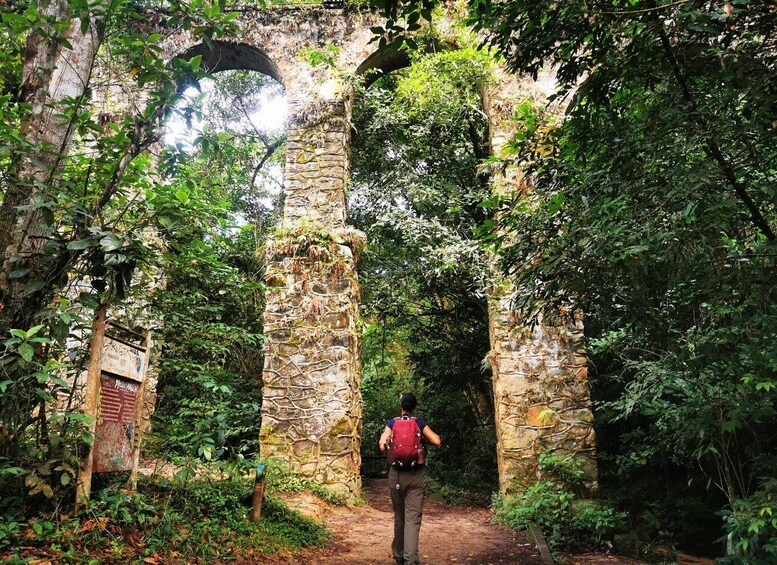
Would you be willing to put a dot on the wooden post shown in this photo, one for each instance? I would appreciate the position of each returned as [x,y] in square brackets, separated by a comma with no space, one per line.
[256,506]
[91,401]
[139,406]
[542,545]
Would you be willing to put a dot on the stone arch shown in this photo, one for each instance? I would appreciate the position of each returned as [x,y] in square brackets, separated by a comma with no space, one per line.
[383,62]
[229,56]
[391,58]
[311,411]
[311,407]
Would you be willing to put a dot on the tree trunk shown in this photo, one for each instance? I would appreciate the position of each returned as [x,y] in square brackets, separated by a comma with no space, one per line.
[55,77]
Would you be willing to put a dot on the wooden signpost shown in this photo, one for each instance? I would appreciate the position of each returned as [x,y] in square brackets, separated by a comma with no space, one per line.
[542,545]
[256,503]
[91,398]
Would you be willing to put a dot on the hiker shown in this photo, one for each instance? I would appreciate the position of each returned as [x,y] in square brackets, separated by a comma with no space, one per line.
[407,476]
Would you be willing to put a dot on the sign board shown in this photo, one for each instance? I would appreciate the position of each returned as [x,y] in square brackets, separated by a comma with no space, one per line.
[115,432]
[122,372]
[123,360]
[113,396]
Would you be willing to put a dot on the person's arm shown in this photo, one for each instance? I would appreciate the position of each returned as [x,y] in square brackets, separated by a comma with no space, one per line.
[385,437]
[430,436]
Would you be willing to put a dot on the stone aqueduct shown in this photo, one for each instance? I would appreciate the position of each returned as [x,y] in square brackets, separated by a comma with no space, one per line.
[311,410]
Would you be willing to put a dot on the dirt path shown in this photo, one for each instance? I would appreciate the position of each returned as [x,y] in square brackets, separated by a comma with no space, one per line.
[449,535]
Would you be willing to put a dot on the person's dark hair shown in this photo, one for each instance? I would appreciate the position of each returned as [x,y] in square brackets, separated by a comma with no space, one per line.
[408,402]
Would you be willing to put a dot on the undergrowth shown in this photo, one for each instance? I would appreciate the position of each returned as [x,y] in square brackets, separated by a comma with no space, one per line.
[554,504]
[200,519]
[458,495]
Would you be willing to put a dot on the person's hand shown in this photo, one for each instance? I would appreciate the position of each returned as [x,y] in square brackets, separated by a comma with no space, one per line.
[385,439]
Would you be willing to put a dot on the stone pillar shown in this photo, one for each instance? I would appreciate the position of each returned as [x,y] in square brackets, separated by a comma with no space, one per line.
[311,406]
[541,393]
[540,375]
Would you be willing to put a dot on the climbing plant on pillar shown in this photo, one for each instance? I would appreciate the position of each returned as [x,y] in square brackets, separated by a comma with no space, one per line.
[311,406]
[312,373]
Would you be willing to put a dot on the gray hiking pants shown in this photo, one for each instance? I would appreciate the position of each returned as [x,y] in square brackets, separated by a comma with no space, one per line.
[407,497]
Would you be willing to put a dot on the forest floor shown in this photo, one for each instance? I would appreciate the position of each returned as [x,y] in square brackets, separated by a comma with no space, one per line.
[449,535]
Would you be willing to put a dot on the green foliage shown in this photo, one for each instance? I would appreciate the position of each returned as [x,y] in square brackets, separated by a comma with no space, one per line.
[562,467]
[676,285]
[211,361]
[546,504]
[652,210]
[403,20]
[326,57]
[751,525]
[387,374]
[552,504]
[447,85]
[417,195]
[594,523]
[210,365]
[10,529]
[84,221]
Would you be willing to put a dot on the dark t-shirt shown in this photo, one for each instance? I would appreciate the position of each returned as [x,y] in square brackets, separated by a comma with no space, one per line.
[421,423]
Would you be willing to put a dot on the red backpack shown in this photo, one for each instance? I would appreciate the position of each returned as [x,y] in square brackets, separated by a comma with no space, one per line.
[405,449]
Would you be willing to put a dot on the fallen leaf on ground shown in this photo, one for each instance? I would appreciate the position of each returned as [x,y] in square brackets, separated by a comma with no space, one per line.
[88,526]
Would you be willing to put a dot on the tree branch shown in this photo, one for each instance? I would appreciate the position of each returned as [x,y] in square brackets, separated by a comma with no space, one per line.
[270,150]
[725,166]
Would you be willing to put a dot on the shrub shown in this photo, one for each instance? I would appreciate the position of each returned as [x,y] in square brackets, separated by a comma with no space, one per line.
[566,523]
[752,527]
[593,522]
[545,504]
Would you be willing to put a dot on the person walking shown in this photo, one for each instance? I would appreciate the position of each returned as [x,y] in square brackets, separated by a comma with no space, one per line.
[407,476]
